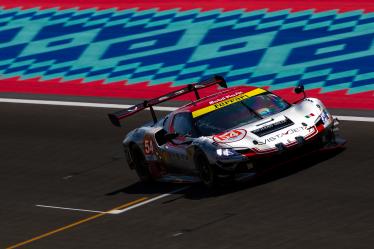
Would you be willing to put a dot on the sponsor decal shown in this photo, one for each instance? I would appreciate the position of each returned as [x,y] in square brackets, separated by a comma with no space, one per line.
[310,115]
[282,134]
[179,92]
[312,132]
[151,150]
[231,136]
[228,96]
[219,103]
[165,155]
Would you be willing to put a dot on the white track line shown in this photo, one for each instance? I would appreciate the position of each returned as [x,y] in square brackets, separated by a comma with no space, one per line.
[353,118]
[119,106]
[74,209]
[119,211]
[77,104]
[147,201]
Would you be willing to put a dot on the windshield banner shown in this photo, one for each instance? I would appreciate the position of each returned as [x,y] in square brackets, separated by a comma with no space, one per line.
[227,102]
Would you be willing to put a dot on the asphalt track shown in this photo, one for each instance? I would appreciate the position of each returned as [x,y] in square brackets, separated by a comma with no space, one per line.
[71,157]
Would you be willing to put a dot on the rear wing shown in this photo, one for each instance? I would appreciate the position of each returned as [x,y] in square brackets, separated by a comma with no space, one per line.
[115,117]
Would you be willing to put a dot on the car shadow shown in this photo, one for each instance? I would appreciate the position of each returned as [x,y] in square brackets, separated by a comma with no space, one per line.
[198,191]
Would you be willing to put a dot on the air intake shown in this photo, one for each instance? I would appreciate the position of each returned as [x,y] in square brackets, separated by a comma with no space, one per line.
[273,127]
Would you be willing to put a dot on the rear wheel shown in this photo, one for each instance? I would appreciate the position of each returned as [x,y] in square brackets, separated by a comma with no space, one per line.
[140,164]
[207,171]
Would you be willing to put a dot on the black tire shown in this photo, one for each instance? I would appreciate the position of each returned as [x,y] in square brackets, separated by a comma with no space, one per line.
[140,164]
[207,171]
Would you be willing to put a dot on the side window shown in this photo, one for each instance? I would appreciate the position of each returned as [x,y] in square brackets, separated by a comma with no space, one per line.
[182,123]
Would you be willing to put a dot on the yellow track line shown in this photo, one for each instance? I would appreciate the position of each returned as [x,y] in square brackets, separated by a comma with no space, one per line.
[76,223]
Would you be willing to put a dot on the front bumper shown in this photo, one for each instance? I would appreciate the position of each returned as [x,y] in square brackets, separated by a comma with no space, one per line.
[325,138]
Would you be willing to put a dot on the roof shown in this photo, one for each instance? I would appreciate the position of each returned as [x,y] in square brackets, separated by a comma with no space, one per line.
[221,95]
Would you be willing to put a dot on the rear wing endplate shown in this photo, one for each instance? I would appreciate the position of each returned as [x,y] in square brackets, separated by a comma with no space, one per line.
[115,117]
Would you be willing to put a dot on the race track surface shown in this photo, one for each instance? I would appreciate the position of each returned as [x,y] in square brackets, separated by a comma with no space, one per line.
[72,157]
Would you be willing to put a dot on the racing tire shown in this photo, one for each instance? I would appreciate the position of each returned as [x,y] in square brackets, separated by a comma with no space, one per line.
[207,171]
[140,165]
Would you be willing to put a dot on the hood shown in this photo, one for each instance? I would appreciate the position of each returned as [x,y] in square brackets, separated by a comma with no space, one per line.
[286,128]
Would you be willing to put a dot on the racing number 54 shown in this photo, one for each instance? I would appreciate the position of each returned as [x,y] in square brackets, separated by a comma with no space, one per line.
[148,146]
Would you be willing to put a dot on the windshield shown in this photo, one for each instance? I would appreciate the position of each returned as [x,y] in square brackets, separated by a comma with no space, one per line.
[239,113]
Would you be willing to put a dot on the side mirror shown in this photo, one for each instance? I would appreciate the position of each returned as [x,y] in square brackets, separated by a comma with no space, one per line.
[299,89]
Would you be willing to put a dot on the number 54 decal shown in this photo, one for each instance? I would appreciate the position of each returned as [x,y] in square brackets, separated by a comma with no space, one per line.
[148,146]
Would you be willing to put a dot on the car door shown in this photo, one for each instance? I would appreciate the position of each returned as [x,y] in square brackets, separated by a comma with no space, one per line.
[177,149]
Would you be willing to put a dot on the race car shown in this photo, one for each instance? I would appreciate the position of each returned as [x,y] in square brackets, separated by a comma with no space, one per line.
[234,134]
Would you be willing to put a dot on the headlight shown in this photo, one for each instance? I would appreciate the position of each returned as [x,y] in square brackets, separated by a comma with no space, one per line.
[226,152]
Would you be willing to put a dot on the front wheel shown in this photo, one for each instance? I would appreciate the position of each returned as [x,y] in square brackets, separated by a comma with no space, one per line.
[140,164]
[207,171]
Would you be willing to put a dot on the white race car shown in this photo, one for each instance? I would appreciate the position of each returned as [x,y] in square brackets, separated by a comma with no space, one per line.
[233,134]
